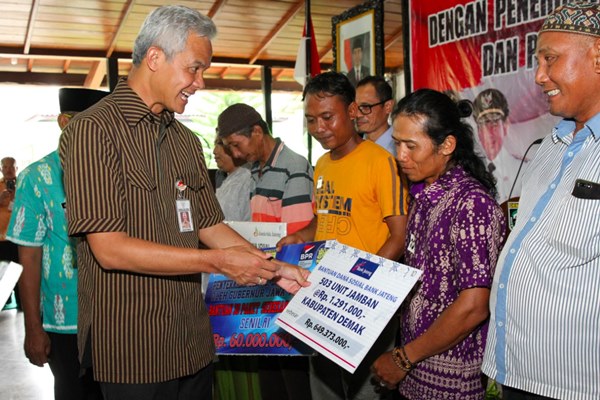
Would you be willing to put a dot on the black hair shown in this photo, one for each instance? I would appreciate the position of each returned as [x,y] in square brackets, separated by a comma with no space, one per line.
[382,88]
[357,43]
[331,84]
[442,118]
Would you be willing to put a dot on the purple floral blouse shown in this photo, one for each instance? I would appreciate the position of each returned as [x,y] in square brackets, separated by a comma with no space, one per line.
[454,235]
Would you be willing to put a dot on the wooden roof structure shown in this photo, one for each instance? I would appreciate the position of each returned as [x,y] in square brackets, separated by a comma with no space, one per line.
[64,43]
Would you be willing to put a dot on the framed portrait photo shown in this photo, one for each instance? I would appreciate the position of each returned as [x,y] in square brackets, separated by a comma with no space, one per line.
[358,41]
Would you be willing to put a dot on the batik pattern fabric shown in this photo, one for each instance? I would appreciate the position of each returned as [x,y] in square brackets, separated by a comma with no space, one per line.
[454,235]
[39,220]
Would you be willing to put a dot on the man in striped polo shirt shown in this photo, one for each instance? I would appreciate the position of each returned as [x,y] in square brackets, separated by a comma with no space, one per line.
[543,339]
[283,178]
[131,171]
[283,193]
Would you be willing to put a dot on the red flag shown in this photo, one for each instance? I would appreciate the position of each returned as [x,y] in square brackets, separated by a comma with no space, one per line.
[315,66]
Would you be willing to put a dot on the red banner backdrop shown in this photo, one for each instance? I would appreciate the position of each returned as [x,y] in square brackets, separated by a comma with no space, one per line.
[484,51]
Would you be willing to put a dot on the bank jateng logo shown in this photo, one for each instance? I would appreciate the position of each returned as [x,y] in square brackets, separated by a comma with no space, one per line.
[364,268]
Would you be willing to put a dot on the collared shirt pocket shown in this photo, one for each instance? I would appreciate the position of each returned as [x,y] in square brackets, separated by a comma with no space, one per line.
[196,185]
[194,181]
[140,179]
[575,231]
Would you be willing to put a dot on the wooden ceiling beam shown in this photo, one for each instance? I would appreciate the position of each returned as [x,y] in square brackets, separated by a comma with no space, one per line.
[94,78]
[223,72]
[59,79]
[253,73]
[122,20]
[32,16]
[53,53]
[397,35]
[326,50]
[43,35]
[216,9]
[278,74]
[98,69]
[291,13]
[89,55]
[42,78]
[236,84]
[241,61]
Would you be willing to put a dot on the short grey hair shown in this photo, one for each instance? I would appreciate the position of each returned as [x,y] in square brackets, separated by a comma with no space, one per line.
[168,27]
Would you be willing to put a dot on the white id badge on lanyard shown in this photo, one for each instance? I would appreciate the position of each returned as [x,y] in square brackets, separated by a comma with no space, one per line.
[184,216]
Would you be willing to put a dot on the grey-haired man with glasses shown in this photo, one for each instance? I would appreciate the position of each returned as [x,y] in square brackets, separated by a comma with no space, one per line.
[375,103]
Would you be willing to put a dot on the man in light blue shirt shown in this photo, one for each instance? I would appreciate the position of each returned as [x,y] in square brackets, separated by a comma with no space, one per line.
[543,340]
[375,103]
[48,284]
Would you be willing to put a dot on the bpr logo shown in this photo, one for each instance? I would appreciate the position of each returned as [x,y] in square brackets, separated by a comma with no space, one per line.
[307,252]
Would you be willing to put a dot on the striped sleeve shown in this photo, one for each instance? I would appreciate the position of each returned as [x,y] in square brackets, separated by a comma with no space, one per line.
[94,187]
[296,207]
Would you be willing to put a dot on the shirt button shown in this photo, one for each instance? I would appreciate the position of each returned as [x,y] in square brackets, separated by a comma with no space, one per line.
[533,219]
[570,154]
[512,251]
[501,286]
[500,324]
[553,186]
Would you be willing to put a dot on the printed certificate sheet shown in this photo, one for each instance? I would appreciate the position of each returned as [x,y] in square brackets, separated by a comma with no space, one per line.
[243,317]
[352,297]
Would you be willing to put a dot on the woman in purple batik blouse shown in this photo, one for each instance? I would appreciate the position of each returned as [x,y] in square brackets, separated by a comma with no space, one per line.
[454,235]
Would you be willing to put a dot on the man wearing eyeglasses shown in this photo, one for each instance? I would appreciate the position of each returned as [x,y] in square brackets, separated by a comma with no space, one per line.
[375,103]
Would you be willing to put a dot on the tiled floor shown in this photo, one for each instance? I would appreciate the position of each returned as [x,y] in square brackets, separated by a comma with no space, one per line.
[20,380]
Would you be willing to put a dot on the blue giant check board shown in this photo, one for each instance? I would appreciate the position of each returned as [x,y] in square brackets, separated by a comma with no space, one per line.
[243,317]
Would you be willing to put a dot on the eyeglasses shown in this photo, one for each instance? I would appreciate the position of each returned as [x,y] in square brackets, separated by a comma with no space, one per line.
[366,109]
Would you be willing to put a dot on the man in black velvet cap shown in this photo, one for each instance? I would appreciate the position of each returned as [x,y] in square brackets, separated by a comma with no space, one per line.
[48,284]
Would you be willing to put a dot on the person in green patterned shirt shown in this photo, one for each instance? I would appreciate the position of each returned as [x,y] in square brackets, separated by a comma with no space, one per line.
[48,285]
